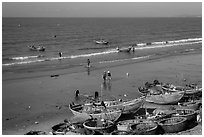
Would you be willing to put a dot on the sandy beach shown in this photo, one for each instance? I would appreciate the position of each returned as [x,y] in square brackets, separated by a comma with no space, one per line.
[37,101]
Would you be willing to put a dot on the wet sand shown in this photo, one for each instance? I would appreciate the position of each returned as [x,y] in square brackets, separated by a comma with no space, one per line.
[38,101]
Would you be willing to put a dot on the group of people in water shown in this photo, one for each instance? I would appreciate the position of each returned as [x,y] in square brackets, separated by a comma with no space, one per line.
[106,76]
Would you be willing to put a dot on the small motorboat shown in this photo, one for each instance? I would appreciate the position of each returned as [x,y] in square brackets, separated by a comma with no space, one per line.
[102,42]
[38,48]
[173,124]
[128,49]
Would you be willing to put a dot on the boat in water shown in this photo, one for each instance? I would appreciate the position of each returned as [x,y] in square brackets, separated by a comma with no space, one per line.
[102,42]
[128,49]
[38,48]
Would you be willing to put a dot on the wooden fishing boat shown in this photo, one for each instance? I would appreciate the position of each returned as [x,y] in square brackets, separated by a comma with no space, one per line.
[100,125]
[173,124]
[96,112]
[128,49]
[102,42]
[194,105]
[144,128]
[187,113]
[125,124]
[39,48]
[128,107]
[167,98]
[189,90]
[70,129]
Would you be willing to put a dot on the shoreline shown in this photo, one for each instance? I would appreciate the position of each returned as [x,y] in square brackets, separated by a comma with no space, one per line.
[56,92]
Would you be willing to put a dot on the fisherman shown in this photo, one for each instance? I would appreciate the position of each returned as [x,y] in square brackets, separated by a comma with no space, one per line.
[88,62]
[109,75]
[133,48]
[60,54]
[96,95]
[104,76]
[77,93]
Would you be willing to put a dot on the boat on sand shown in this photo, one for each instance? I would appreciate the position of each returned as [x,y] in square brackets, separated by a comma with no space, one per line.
[129,107]
[173,124]
[167,98]
[96,112]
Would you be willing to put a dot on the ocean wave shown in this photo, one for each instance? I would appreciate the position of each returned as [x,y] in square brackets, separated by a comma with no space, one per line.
[26,57]
[140,46]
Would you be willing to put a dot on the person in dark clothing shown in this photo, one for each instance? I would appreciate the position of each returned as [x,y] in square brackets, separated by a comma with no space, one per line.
[104,76]
[60,54]
[109,75]
[88,62]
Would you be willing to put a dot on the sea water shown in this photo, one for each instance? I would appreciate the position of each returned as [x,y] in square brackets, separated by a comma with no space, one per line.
[75,37]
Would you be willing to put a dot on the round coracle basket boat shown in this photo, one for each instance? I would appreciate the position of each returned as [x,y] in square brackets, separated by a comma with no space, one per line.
[187,113]
[144,128]
[98,125]
[173,124]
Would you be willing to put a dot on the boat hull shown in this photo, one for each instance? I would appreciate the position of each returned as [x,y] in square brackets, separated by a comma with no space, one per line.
[165,99]
[110,115]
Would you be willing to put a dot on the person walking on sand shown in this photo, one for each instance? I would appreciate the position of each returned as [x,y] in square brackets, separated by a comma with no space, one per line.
[88,62]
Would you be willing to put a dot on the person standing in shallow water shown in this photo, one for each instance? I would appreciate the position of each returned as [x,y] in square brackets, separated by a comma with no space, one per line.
[60,54]
[88,62]
[104,76]
[109,75]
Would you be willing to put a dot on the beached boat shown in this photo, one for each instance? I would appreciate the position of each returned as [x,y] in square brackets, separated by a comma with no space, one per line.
[99,125]
[39,48]
[128,107]
[128,49]
[164,99]
[137,126]
[189,90]
[70,129]
[194,105]
[102,42]
[173,124]
[187,113]
[96,112]
[144,128]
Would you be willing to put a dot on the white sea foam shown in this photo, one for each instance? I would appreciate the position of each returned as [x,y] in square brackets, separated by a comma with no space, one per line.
[25,57]
[140,46]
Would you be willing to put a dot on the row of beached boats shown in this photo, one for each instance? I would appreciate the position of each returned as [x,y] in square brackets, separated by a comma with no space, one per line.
[120,117]
[133,117]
